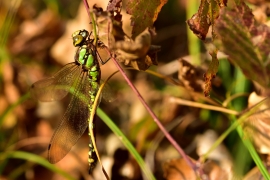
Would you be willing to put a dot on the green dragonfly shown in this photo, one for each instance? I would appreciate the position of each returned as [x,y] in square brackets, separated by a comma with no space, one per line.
[82,79]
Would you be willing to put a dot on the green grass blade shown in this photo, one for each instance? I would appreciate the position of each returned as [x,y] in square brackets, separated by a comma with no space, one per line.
[248,144]
[7,20]
[126,142]
[239,104]
[34,158]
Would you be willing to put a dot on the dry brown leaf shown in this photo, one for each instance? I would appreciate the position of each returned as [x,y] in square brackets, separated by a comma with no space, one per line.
[138,53]
[190,76]
[144,14]
[249,39]
[214,171]
[193,77]
[109,29]
[254,174]
[211,73]
[178,169]
[258,125]
[206,16]
[115,7]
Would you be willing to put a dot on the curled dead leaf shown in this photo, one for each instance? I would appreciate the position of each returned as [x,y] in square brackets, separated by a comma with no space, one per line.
[206,16]
[198,79]
[109,29]
[138,48]
[139,53]
[191,76]
[211,73]
[114,7]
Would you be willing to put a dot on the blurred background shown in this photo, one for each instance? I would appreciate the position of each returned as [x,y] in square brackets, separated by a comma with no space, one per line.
[35,40]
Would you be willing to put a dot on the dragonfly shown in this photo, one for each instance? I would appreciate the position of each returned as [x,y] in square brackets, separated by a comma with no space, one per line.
[81,79]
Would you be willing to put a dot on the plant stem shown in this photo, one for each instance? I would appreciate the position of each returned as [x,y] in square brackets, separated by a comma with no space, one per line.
[87,7]
[203,106]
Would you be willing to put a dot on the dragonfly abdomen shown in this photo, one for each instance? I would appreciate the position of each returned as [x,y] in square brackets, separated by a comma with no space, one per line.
[92,156]
[94,81]
[94,78]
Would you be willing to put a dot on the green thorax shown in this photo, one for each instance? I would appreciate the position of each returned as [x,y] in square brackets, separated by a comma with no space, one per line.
[86,57]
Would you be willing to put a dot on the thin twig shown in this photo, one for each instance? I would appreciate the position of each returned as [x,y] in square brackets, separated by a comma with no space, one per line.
[234,96]
[87,7]
[203,106]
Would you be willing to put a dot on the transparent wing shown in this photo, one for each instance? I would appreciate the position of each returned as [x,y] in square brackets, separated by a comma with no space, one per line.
[74,122]
[56,87]
[102,54]
[108,94]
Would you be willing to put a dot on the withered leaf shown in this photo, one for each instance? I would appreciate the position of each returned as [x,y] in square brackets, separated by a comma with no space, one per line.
[211,73]
[109,29]
[144,14]
[257,126]
[194,78]
[114,7]
[245,41]
[139,53]
[208,12]
[190,76]
[178,169]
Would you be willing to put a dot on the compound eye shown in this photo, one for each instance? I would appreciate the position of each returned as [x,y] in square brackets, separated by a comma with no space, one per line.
[84,34]
[77,40]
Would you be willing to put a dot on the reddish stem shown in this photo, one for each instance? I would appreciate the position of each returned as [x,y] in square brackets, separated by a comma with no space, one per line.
[86,5]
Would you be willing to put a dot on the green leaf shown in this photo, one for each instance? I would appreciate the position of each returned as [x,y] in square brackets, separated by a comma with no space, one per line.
[144,13]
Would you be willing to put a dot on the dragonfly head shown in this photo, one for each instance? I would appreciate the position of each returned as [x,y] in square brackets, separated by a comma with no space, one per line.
[79,37]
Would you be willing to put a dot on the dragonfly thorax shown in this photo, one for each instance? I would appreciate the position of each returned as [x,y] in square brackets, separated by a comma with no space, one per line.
[85,57]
